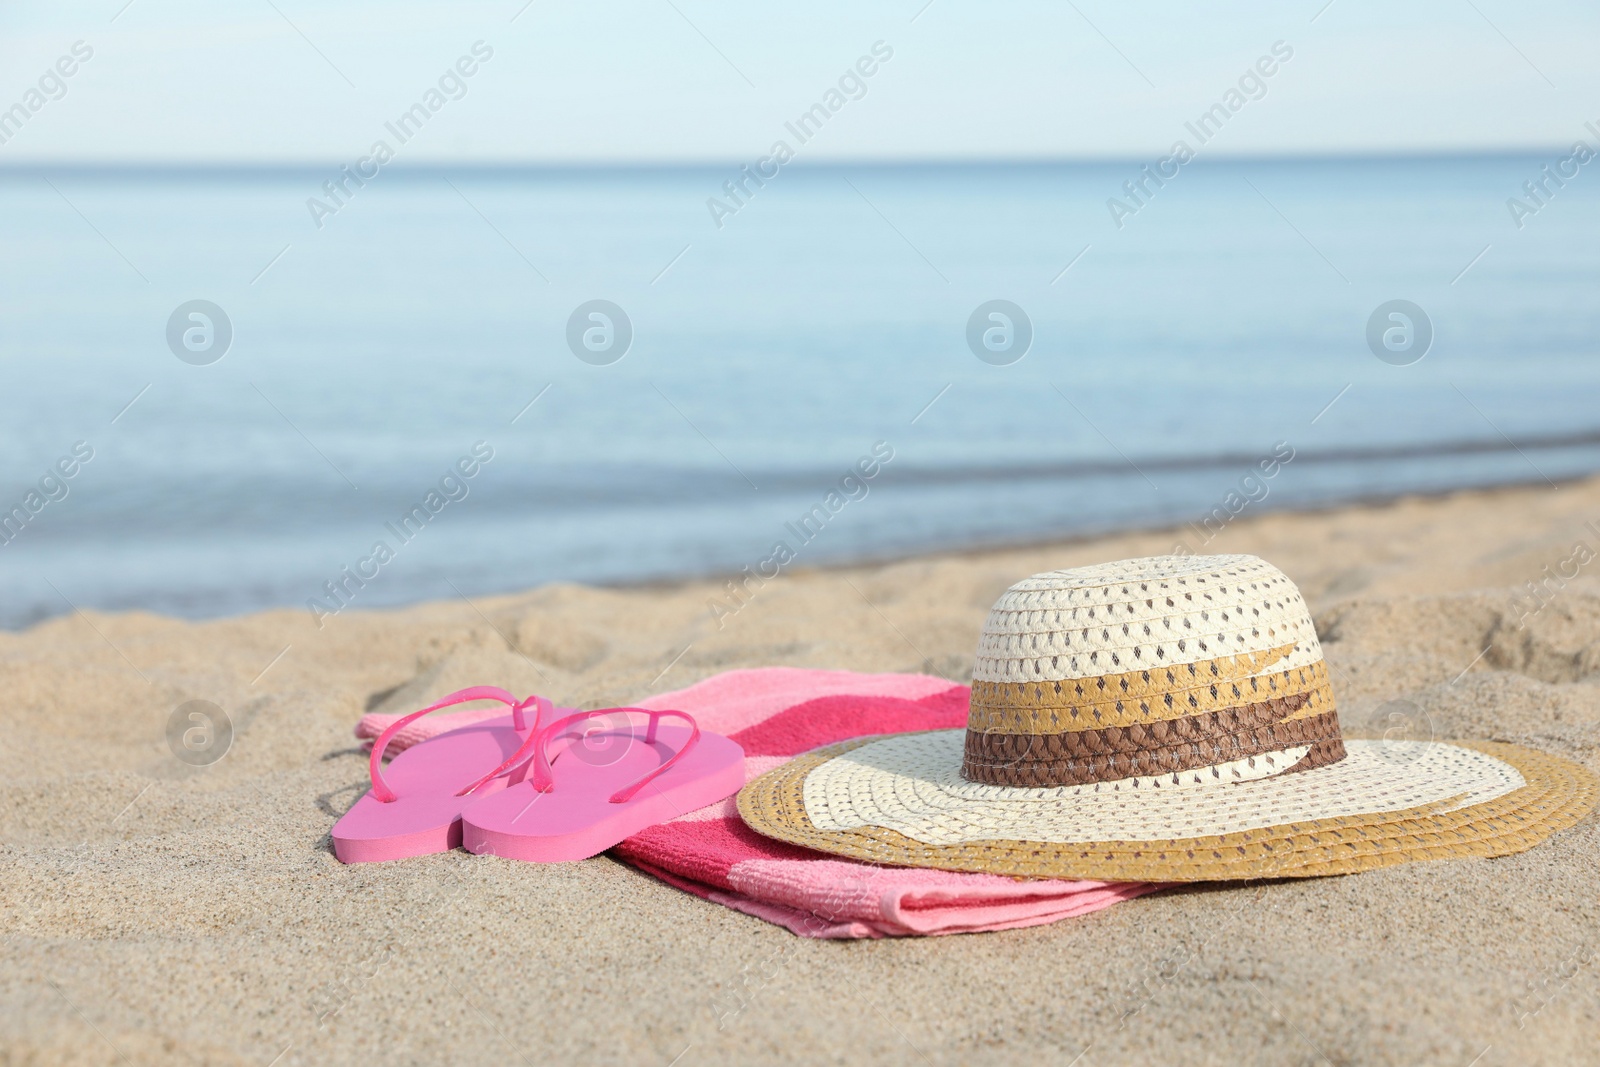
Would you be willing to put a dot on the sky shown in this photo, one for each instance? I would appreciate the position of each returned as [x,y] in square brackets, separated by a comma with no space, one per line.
[671,81]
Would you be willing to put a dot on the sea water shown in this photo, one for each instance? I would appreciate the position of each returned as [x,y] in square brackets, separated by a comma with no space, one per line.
[1200,358]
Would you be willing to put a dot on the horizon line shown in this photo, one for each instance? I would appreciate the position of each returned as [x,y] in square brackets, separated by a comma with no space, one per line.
[219,167]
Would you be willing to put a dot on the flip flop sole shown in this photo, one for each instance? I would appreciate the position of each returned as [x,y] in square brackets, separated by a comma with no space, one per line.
[425,817]
[576,819]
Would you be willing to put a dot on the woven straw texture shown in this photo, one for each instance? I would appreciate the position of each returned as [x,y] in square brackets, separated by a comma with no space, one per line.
[1430,801]
[1144,614]
[1147,695]
[1145,667]
[1195,743]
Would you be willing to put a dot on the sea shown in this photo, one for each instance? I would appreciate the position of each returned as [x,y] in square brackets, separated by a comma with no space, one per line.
[270,384]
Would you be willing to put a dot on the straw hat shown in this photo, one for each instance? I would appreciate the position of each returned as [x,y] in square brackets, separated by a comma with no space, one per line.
[1166,719]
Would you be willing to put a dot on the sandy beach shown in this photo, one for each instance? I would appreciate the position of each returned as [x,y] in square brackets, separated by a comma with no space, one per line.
[154,912]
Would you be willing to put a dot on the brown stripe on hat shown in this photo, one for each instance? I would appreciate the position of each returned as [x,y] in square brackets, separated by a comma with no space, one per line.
[1165,747]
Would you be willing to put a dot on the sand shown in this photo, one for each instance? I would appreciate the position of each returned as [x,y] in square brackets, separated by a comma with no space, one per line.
[157,912]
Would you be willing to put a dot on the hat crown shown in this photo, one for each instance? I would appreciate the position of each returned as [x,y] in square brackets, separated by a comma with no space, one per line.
[1149,668]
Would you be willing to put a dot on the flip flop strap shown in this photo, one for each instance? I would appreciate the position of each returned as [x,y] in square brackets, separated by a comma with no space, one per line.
[380,788]
[544,782]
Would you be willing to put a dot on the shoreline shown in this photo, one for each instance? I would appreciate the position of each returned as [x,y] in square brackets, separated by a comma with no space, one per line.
[827,564]
[1047,541]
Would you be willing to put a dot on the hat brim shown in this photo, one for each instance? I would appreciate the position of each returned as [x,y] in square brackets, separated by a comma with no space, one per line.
[900,800]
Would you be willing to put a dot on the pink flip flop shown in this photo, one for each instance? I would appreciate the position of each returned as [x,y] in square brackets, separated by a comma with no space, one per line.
[638,779]
[415,808]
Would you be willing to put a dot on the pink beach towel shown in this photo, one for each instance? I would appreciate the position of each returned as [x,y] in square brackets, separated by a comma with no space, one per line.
[777,713]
